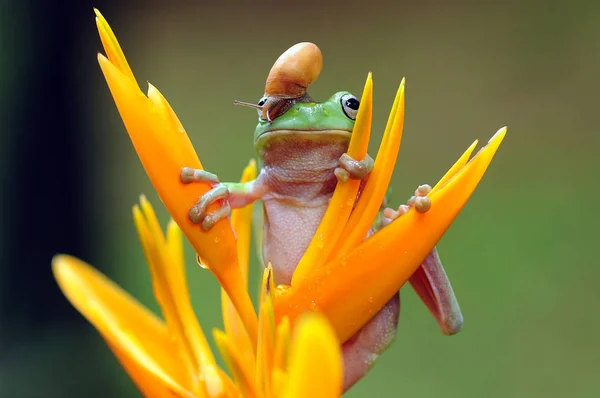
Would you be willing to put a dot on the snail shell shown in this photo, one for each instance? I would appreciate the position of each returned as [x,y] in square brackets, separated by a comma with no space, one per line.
[294,71]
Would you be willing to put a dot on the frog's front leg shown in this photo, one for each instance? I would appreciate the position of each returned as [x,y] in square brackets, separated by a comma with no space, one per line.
[231,195]
[352,168]
[430,280]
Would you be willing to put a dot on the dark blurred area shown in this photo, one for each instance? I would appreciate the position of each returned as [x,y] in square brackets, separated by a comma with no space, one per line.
[520,256]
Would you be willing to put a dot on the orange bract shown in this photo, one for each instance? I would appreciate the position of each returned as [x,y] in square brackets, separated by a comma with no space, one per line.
[344,196]
[354,286]
[164,149]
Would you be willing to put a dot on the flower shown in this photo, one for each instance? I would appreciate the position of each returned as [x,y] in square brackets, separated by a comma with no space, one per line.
[172,357]
[330,280]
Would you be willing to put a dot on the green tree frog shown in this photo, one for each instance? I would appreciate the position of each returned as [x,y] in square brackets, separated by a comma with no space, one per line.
[302,147]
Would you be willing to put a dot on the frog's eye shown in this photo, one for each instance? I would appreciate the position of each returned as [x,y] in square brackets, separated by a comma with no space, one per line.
[350,105]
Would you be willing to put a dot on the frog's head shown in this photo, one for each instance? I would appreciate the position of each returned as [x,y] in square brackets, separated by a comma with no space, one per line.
[332,118]
[286,108]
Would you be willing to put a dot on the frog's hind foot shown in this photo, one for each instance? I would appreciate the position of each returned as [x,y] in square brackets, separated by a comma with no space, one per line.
[198,213]
[430,280]
[352,168]
[419,201]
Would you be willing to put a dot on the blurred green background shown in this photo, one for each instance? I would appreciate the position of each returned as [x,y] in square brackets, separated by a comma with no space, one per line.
[521,255]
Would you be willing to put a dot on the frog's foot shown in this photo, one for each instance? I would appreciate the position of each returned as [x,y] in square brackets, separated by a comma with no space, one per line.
[352,168]
[361,351]
[419,201]
[430,280]
[198,213]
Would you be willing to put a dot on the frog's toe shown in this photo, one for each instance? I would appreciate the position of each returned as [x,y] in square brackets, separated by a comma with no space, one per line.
[363,349]
[419,201]
[189,175]
[198,213]
[352,168]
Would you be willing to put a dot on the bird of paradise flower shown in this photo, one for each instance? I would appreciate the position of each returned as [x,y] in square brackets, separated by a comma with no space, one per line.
[332,294]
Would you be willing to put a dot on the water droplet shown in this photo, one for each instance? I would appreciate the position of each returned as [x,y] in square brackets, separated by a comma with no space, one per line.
[320,243]
[216,240]
[201,262]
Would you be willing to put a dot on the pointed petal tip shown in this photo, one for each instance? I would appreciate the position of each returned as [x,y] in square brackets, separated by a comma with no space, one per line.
[63,265]
[499,134]
[58,263]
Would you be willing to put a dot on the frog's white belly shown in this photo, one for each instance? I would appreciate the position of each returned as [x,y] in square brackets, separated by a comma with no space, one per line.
[289,229]
[299,173]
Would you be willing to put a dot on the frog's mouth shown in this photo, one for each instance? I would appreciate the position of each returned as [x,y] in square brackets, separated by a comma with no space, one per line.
[311,135]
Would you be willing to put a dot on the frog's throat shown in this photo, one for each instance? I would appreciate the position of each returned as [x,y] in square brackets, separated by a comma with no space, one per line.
[326,134]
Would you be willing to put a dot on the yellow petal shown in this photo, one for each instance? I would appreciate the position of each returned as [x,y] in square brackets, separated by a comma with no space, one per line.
[373,193]
[137,337]
[170,285]
[460,163]
[241,221]
[344,196]
[279,380]
[353,287]
[235,363]
[315,360]
[266,335]
[282,342]
[112,47]
[164,148]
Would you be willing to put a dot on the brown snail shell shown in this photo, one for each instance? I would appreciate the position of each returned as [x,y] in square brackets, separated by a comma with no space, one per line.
[294,71]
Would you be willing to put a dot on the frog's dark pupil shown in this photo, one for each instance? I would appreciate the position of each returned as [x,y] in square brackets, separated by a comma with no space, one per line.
[262,101]
[352,103]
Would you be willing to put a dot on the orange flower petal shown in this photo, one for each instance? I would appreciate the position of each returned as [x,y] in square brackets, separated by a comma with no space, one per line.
[232,357]
[282,342]
[266,332]
[171,291]
[241,220]
[344,196]
[460,163]
[353,287]
[164,151]
[315,360]
[112,46]
[164,148]
[373,193]
[137,337]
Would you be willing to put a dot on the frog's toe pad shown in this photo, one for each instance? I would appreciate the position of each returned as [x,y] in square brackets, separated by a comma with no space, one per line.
[356,170]
[198,213]
[189,175]
[420,201]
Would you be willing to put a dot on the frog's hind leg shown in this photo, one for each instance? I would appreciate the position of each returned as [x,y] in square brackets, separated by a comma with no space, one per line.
[430,280]
[198,213]
[362,350]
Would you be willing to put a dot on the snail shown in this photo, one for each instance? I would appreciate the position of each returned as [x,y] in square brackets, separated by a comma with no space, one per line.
[288,80]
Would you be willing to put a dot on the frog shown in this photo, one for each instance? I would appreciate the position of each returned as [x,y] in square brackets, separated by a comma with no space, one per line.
[302,148]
